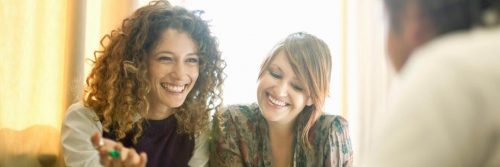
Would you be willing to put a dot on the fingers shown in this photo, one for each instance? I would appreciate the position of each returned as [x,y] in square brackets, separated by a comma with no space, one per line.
[143,160]
[96,140]
[128,157]
[117,161]
[131,158]
[104,147]
[104,159]
[113,153]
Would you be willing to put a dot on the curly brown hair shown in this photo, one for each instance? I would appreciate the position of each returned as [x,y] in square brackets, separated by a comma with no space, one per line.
[117,87]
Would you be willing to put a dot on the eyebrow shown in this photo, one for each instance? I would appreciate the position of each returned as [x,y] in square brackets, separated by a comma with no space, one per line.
[275,66]
[172,53]
[279,68]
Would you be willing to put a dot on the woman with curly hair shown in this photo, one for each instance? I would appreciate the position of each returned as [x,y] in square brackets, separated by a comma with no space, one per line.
[287,126]
[151,90]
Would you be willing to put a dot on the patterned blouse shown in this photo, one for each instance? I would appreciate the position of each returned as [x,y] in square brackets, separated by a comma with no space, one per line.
[244,140]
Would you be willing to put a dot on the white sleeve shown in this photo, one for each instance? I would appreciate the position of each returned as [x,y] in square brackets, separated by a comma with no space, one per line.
[200,152]
[78,126]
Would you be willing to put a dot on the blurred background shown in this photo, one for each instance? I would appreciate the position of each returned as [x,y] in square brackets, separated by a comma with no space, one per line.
[45,47]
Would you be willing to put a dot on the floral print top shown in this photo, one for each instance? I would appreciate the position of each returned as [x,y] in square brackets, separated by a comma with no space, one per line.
[244,140]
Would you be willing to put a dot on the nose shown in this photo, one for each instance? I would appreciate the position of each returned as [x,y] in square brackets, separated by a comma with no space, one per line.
[281,89]
[178,71]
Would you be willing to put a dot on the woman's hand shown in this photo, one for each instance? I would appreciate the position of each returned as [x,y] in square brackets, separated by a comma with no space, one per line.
[113,153]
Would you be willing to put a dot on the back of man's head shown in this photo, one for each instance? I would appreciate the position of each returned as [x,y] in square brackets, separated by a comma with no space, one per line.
[447,15]
[413,23]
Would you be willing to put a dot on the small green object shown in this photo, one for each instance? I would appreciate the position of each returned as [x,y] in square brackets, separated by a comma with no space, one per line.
[114,154]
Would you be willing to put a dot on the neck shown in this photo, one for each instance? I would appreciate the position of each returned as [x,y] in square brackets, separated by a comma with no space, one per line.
[280,130]
[281,140]
[158,111]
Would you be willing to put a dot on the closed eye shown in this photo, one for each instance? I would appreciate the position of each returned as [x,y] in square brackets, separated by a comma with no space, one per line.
[297,88]
[193,60]
[165,58]
[275,74]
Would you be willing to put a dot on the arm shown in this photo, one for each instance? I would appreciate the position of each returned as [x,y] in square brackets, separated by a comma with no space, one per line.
[200,152]
[77,127]
[339,152]
[225,149]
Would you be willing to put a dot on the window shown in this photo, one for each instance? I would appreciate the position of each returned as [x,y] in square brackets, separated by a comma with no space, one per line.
[248,30]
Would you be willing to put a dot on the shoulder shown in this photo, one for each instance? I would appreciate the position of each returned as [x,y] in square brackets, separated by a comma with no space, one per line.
[78,110]
[79,123]
[331,124]
[241,119]
[335,134]
[455,56]
[450,74]
[240,112]
[80,118]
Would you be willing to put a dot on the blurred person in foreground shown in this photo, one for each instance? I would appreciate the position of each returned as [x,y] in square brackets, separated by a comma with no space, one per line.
[446,112]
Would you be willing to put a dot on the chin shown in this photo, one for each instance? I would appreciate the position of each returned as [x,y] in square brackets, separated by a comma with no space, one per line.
[173,104]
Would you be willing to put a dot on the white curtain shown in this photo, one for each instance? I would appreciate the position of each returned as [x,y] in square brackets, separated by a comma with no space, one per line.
[42,50]
[33,79]
[368,71]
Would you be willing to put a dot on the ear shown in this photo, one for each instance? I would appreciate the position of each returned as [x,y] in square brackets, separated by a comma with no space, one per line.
[417,28]
[418,33]
[309,102]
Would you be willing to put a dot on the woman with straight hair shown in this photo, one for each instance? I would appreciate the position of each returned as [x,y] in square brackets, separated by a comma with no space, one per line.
[287,126]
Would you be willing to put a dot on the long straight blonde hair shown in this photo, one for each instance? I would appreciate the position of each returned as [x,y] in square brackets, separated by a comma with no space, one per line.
[311,62]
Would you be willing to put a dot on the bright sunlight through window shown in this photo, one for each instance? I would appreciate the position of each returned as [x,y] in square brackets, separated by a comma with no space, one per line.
[248,30]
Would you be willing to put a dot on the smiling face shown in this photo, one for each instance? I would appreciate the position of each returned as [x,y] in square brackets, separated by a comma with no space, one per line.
[173,68]
[281,96]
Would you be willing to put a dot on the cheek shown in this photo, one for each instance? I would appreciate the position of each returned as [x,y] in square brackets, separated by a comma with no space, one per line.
[391,49]
[263,82]
[259,87]
[156,70]
[394,49]
[151,74]
[194,72]
[300,101]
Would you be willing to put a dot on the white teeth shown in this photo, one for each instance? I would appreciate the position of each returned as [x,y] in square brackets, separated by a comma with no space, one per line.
[173,88]
[276,101]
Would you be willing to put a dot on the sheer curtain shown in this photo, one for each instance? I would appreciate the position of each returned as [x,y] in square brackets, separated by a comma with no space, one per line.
[33,79]
[43,48]
[368,71]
